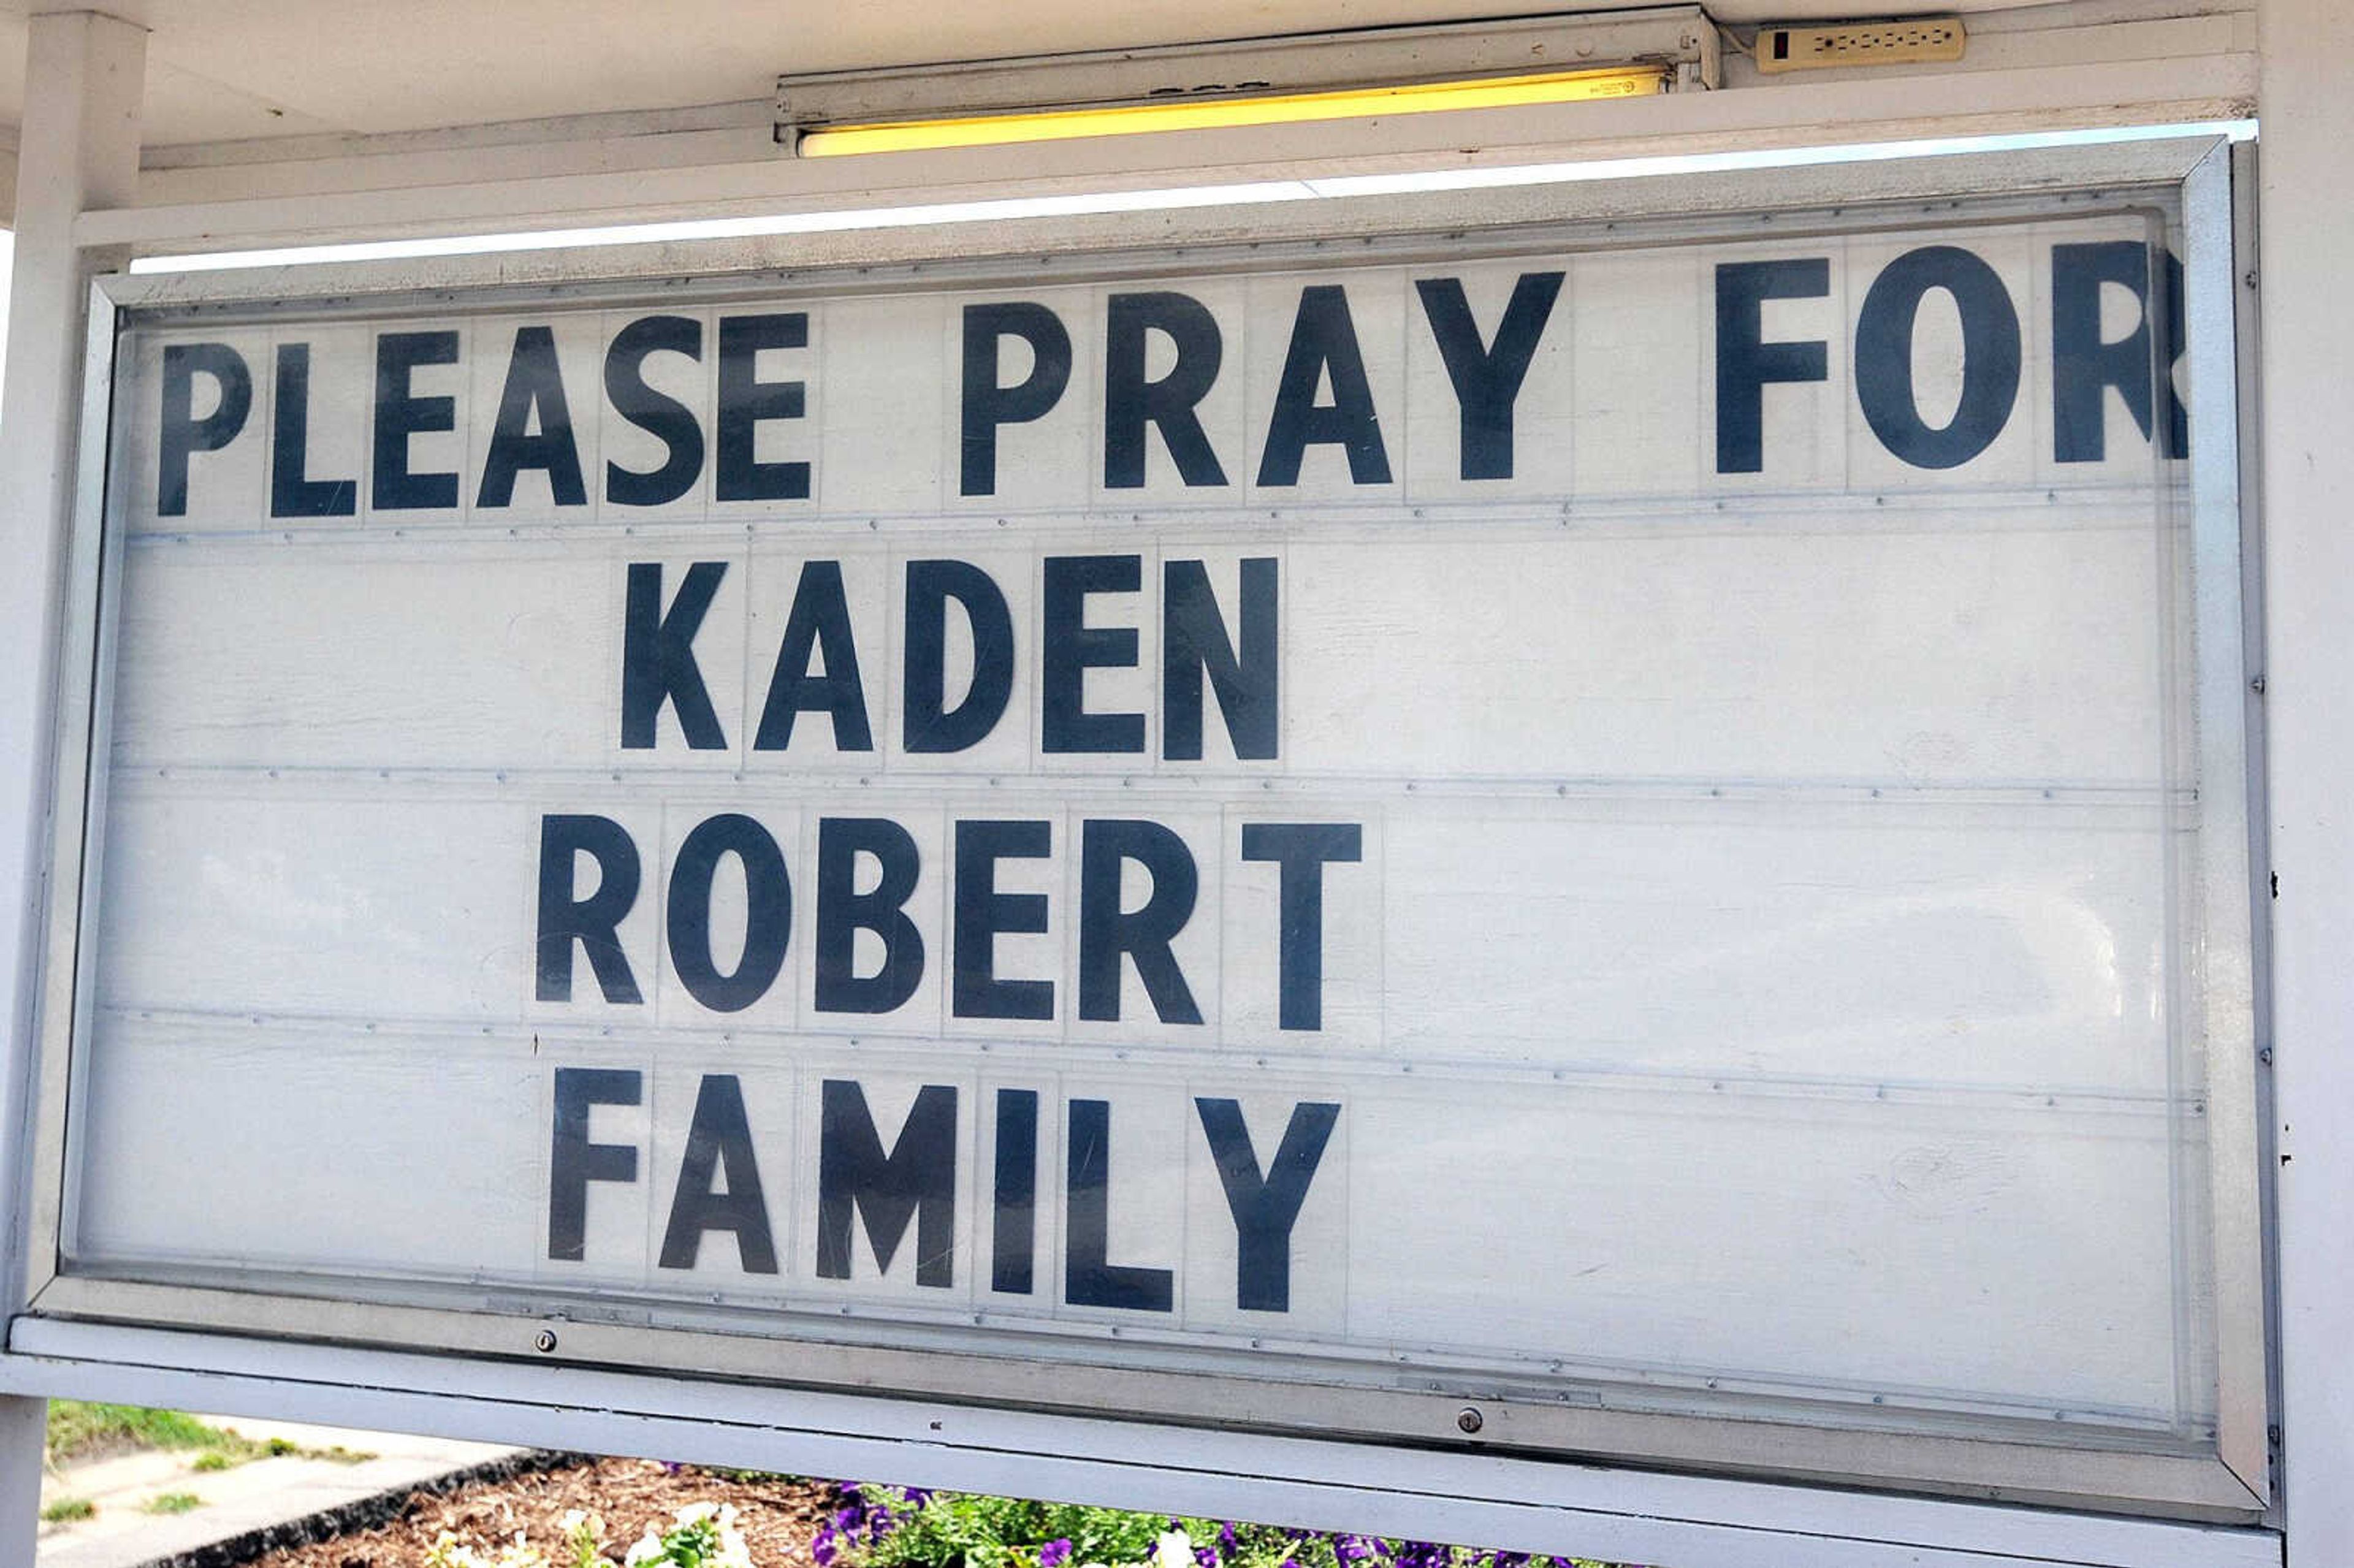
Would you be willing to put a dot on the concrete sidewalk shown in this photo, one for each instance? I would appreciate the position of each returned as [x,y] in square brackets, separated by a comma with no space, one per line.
[330,1468]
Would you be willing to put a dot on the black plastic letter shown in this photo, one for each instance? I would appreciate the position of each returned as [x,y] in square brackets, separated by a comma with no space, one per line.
[1323,341]
[1301,849]
[1745,362]
[535,386]
[2084,367]
[982,913]
[658,657]
[1089,1278]
[917,1179]
[401,413]
[842,912]
[719,1137]
[656,413]
[1265,1208]
[1883,356]
[595,921]
[1487,377]
[1069,648]
[745,400]
[1107,931]
[1013,1233]
[573,1161]
[291,493]
[929,725]
[1193,641]
[818,625]
[1131,402]
[179,432]
[768,920]
[988,404]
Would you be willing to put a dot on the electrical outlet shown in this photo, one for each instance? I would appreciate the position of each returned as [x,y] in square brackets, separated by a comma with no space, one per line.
[1860,44]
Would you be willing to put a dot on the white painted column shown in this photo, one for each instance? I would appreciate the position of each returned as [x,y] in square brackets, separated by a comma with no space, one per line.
[2305,246]
[80,149]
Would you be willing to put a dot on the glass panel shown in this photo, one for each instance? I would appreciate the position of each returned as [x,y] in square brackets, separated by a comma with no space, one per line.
[1603,818]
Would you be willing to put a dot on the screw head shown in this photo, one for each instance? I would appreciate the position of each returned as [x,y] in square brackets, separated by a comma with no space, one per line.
[546,1342]
[1470,1421]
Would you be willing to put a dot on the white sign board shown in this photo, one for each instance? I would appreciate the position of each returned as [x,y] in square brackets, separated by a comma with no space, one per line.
[1607,825]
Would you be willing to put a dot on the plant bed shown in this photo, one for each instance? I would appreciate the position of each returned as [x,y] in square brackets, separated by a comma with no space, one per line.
[533,1517]
[575,1513]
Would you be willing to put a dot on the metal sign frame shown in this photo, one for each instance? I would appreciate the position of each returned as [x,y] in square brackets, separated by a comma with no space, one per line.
[972,1422]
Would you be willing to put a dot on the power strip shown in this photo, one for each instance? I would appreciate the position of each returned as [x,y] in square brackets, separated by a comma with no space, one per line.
[1918,38]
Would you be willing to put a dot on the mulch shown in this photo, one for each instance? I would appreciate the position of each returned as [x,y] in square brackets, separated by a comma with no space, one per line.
[778,1515]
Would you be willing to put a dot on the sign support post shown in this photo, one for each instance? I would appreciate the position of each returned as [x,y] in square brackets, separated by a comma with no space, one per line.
[79,150]
[2310,584]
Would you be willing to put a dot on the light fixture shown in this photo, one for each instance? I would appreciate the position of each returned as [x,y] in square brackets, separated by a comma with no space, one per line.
[1292,79]
[1211,113]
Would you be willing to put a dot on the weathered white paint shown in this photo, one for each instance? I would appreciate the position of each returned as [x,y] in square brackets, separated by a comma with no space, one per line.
[504,188]
[1677,1520]
[237,83]
[82,149]
[2307,219]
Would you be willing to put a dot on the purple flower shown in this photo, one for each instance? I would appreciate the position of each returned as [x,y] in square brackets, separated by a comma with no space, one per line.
[1054,1553]
[917,1497]
[1226,1539]
[825,1547]
[1205,1557]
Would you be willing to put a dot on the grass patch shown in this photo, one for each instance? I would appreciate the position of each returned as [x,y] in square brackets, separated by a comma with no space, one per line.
[338,1455]
[174,1502]
[66,1509]
[79,1430]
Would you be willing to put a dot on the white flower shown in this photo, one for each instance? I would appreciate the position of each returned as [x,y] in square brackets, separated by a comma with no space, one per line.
[648,1549]
[449,1552]
[1174,1550]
